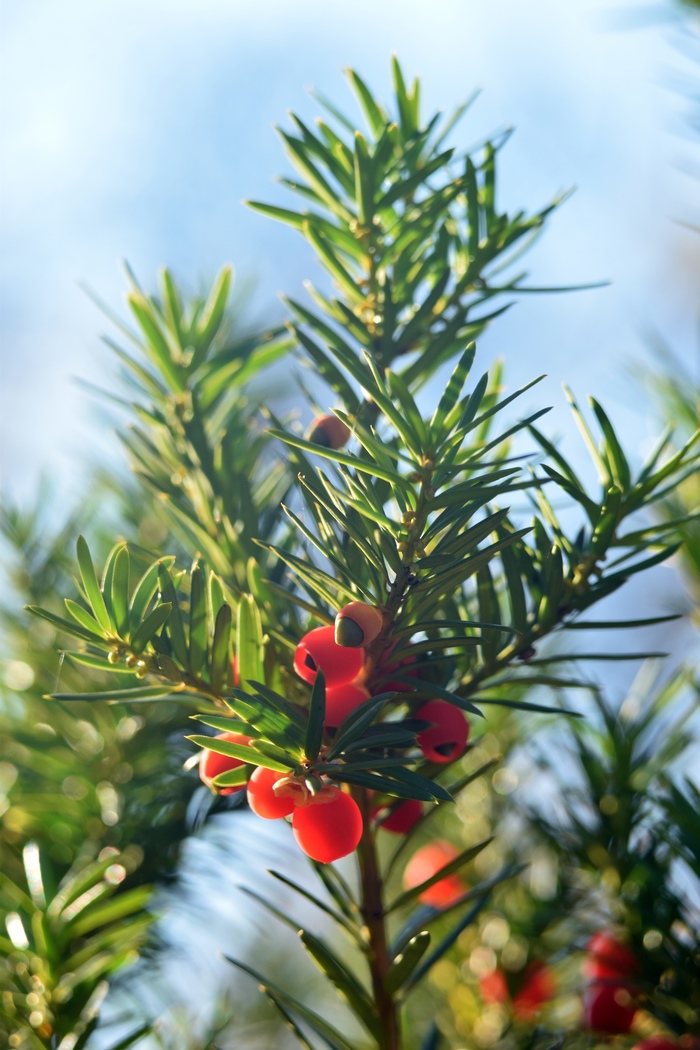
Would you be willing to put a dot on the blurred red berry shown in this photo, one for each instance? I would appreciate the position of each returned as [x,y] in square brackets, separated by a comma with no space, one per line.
[608,957]
[261,796]
[447,738]
[329,827]
[318,648]
[328,431]
[428,861]
[402,817]
[494,988]
[608,1008]
[341,700]
[211,763]
[537,988]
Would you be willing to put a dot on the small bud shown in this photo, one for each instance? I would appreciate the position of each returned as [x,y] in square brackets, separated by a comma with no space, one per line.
[113,656]
[329,432]
[358,624]
[131,660]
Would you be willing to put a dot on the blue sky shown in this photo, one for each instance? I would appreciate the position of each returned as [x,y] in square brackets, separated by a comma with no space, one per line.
[134,129]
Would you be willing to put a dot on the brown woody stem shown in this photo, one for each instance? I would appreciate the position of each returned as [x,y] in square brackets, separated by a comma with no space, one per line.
[372,906]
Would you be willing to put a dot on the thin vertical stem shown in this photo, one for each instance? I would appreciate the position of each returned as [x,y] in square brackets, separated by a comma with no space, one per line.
[372,906]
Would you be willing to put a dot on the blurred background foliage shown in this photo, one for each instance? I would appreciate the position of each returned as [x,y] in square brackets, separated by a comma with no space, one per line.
[607,811]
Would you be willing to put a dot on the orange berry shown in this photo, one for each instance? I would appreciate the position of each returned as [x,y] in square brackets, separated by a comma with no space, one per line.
[318,649]
[211,763]
[341,700]
[402,817]
[447,738]
[329,827]
[428,861]
[358,624]
[262,798]
[493,987]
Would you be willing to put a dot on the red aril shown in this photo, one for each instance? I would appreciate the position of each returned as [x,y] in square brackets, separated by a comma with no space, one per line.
[537,988]
[494,988]
[358,624]
[608,957]
[447,737]
[402,817]
[608,1008]
[211,763]
[341,700]
[428,861]
[329,827]
[318,648]
[262,798]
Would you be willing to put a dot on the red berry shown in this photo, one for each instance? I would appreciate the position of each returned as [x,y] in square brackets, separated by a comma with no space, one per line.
[538,987]
[608,957]
[328,431]
[211,763]
[318,648]
[402,817]
[428,861]
[261,796]
[493,987]
[358,624]
[341,700]
[447,738]
[329,827]
[608,1008]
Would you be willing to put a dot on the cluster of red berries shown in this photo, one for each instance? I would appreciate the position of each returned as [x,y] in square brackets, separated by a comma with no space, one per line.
[328,824]
[608,999]
[339,652]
